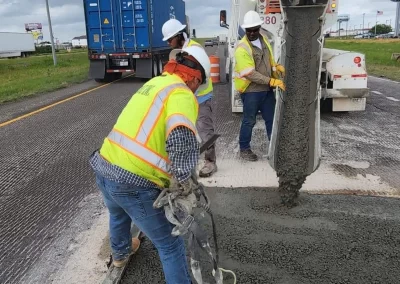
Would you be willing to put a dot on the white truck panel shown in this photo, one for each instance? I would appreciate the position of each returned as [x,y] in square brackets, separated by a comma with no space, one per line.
[13,44]
[348,73]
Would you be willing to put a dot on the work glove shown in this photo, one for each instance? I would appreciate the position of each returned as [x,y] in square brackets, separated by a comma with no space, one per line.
[277,83]
[280,70]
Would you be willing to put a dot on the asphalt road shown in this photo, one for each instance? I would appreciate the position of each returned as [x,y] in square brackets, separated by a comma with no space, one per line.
[48,194]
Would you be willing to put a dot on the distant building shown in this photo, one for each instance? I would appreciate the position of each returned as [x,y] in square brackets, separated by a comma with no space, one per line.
[79,41]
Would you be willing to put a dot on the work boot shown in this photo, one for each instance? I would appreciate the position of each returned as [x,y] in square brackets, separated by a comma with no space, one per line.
[208,169]
[122,262]
[248,155]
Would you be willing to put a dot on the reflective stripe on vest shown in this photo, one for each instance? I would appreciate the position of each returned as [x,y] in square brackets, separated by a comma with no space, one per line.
[140,151]
[154,113]
[178,119]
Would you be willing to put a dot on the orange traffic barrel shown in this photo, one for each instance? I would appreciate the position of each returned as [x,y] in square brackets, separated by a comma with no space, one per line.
[214,60]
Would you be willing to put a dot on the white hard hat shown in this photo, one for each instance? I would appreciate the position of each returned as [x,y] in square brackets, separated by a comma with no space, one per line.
[171,28]
[251,19]
[198,53]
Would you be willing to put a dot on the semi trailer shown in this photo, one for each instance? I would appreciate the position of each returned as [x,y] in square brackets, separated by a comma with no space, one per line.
[16,44]
[125,36]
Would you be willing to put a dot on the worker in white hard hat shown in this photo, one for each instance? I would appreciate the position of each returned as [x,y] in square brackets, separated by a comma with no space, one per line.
[152,145]
[174,32]
[256,75]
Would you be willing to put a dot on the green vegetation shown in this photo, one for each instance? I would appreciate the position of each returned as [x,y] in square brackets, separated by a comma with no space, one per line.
[21,77]
[378,54]
[381,29]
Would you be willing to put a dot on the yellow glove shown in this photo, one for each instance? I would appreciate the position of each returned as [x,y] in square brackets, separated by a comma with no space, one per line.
[280,70]
[277,83]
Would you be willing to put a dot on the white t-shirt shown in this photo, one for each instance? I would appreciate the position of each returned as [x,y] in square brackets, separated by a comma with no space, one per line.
[257,43]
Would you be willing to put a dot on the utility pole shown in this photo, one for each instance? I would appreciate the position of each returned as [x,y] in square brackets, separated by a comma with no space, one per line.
[51,34]
[363,22]
[397,23]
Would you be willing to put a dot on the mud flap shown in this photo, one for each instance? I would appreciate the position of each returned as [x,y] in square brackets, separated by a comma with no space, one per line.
[295,150]
[97,69]
[144,68]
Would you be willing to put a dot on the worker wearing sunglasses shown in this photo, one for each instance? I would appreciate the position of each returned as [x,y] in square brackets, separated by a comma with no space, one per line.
[257,74]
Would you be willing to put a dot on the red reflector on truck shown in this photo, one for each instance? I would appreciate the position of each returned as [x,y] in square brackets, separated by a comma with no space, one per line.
[337,76]
[359,76]
[357,60]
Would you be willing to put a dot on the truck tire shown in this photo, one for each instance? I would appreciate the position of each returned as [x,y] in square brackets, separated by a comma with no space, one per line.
[326,105]
[157,66]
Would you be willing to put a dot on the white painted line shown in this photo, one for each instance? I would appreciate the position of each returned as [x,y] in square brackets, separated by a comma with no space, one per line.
[376,92]
[384,79]
[393,99]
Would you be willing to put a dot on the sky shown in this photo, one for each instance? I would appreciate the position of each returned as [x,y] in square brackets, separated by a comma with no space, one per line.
[68,19]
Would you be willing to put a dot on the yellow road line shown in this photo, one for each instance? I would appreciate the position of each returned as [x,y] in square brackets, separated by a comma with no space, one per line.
[57,103]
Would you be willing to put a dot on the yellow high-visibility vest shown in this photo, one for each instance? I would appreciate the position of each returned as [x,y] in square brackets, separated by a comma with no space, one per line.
[137,141]
[245,63]
[203,90]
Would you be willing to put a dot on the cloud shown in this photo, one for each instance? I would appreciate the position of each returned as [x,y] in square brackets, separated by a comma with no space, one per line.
[68,16]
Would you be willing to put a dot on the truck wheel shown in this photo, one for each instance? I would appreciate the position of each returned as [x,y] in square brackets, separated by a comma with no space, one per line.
[326,105]
[157,65]
[160,66]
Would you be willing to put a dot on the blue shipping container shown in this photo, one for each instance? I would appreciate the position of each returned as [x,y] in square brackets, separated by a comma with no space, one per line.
[129,25]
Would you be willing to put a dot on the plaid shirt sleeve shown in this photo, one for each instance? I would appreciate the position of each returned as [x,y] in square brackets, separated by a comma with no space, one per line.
[183,151]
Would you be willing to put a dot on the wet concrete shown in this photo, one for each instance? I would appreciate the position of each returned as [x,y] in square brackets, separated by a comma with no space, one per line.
[325,239]
[296,139]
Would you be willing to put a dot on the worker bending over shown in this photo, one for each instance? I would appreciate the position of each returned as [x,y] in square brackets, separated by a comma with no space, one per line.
[174,33]
[153,143]
[256,75]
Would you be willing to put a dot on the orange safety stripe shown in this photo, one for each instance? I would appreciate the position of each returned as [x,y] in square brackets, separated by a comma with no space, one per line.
[178,119]
[143,153]
[150,120]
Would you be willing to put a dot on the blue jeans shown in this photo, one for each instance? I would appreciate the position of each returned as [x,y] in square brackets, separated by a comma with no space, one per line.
[127,204]
[252,103]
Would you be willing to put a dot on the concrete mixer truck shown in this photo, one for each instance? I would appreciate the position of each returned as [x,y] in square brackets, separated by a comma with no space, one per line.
[295,29]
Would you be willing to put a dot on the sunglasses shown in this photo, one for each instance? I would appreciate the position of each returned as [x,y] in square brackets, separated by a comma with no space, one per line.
[171,39]
[254,30]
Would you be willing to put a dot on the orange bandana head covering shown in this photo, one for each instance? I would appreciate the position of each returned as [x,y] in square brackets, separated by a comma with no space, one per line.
[187,74]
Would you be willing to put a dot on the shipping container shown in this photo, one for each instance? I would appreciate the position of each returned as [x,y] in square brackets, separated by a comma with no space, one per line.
[125,36]
[16,44]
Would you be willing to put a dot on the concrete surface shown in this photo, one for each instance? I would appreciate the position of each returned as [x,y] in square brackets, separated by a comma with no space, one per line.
[54,226]
[326,239]
[360,150]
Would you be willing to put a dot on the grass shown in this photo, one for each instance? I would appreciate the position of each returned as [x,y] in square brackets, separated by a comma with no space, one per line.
[378,54]
[22,77]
